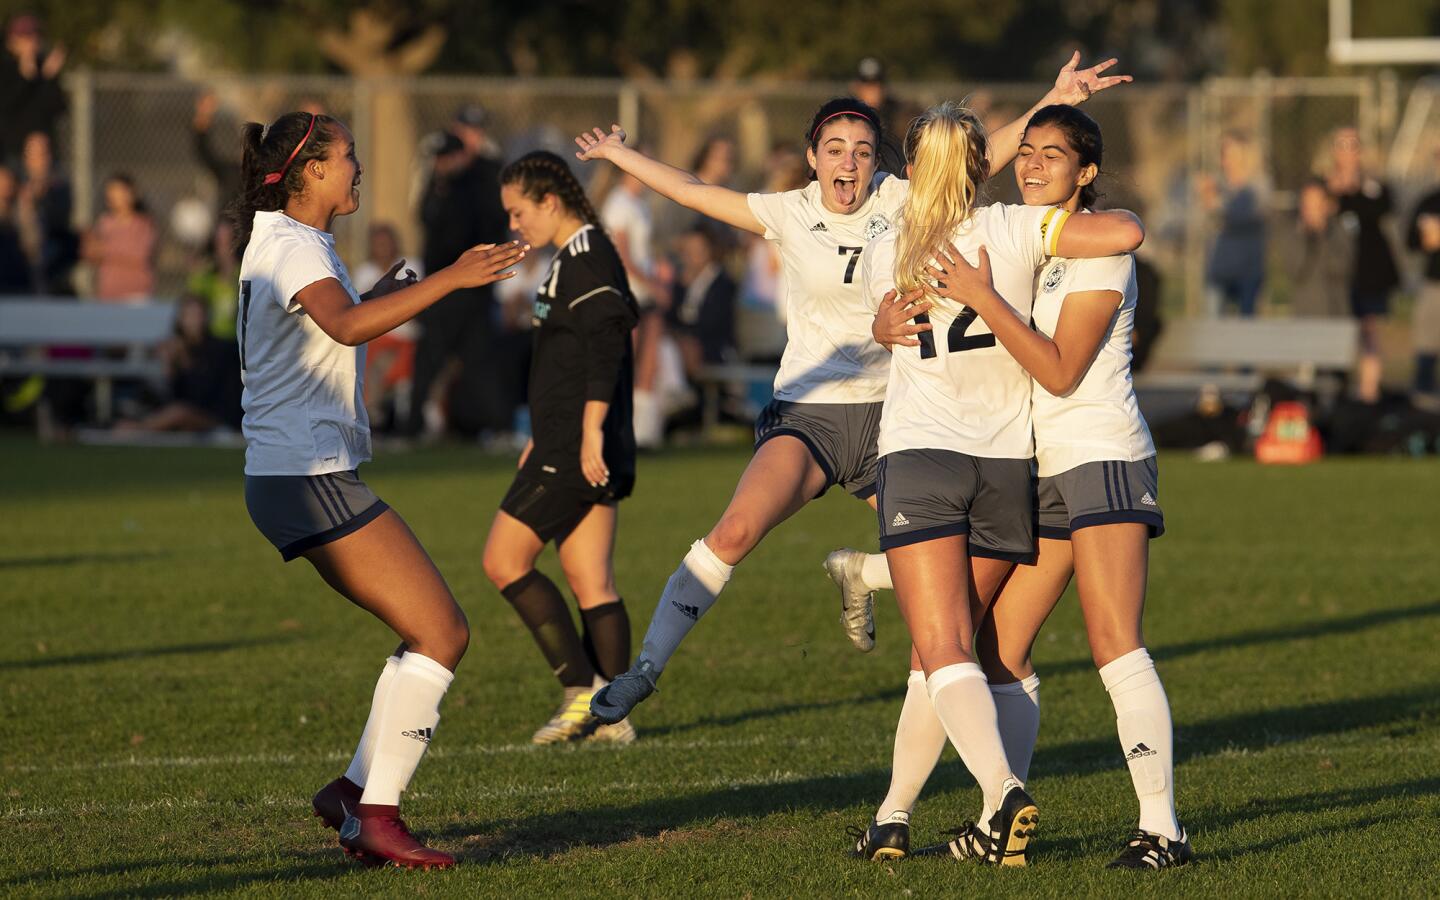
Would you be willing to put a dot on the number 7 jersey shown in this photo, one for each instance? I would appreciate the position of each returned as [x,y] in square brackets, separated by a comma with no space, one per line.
[829,354]
[960,390]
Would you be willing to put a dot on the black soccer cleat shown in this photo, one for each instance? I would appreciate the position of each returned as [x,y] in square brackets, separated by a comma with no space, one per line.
[1147,850]
[1012,827]
[881,842]
[969,844]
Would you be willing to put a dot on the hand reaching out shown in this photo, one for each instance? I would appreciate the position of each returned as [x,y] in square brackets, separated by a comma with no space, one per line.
[486,263]
[596,144]
[960,281]
[392,281]
[1074,85]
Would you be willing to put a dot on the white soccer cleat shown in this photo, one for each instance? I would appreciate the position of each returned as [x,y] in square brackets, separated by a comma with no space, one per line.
[571,722]
[857,601]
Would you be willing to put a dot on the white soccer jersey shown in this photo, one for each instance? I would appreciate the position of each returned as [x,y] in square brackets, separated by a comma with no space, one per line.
[829,354]
[304,396]
[961,390]
[1100,419]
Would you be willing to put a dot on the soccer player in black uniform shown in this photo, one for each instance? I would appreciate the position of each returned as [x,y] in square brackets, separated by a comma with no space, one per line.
[581,461]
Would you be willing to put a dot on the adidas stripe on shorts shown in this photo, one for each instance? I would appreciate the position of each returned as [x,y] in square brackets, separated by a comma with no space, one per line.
[928,494]
[1101,493]
[299,512]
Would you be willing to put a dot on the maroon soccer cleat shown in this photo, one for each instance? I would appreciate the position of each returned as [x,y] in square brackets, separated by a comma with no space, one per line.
[335,800]
[376,835]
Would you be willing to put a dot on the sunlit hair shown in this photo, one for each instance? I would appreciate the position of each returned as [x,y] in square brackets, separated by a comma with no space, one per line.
[946,151]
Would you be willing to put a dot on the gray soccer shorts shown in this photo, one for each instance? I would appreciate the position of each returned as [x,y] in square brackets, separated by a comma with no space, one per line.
[842,438]
[1101,493]
[299,512]
[929,494]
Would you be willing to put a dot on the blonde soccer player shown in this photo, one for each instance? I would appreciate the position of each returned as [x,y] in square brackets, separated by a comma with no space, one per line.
[955,451]
[301,330]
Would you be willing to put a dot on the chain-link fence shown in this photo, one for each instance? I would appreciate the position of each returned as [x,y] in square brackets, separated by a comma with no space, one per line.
[1161,141]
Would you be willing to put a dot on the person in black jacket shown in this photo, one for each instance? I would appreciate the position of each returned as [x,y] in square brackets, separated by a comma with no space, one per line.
[460,208]
[31,98]
[204,375]
[581,461]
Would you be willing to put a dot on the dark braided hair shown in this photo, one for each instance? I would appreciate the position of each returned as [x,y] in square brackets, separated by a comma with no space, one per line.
[541,172]
[265,151]
[1082,133]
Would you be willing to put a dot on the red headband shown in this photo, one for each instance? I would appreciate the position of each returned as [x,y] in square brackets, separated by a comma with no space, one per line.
[274,177]
[844,112]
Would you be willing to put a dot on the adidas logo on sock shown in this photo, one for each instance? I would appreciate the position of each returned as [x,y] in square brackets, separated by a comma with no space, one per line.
[819,226]
[1138,751]
[420,734]
[899,520]
[691,612]
[1147,499]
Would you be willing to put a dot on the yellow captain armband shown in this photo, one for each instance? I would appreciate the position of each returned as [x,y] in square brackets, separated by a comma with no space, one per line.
[1050,228]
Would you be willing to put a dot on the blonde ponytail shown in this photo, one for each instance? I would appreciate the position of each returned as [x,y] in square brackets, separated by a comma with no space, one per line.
[946,149]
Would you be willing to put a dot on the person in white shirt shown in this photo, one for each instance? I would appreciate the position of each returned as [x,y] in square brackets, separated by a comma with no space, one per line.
[820,430]
[1098,489]
[955,501]
[302,330]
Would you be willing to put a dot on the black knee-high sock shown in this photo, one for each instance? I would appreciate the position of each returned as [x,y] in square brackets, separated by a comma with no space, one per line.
[607,638]
[542,608]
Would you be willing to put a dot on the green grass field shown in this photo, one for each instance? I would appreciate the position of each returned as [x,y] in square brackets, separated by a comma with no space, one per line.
[173,694]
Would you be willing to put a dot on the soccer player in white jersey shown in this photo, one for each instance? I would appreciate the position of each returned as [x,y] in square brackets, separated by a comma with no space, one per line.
[820,429]
[302,330]
[1098,490]
[955,450]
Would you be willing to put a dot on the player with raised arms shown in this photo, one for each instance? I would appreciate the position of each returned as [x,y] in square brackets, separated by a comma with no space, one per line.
[955,453]
[301,331]
[1098,490]
[820,429]
[581,461]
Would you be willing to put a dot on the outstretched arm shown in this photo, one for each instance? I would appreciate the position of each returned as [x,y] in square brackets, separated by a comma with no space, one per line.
[1059,364]
[730,207]
[1073,86]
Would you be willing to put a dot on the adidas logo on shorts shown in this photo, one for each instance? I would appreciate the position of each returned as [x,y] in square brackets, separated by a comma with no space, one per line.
[1147,499]
[899,520]
[420,734]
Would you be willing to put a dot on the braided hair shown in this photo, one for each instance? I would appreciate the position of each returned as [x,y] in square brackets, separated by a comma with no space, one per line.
[541,172]
[297,137]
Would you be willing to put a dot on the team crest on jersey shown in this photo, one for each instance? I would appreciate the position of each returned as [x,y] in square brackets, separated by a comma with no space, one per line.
[542,312]
[1054,276]
[877,226]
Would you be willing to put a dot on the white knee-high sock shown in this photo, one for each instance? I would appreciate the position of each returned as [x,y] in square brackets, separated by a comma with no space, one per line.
[688,595]
[875,572]
[919,741]
[1142,717]
[1017,711]
[359,771]
[963,703]
[406,724]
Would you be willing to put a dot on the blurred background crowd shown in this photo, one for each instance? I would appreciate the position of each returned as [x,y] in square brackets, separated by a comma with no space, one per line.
[1273,197]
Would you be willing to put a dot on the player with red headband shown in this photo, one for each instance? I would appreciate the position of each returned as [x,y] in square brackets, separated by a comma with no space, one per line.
[302,330]
[821,427]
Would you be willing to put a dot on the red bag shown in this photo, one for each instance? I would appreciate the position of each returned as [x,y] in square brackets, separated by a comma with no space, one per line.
[1289,438]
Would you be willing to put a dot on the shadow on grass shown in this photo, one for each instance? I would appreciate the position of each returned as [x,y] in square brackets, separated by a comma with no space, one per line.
[86,659]
[76,559]
[555,833]
[316,864]
[1297,631]
[893,695]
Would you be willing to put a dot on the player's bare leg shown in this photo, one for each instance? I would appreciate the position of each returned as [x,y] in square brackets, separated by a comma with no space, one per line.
[383,569]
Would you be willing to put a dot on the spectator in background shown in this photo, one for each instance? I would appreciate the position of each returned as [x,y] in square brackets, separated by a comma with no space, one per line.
[223,165]
[785,170]
[215,275]
[204,377]
[1423,236]
[871,86]
[44,213]
[702,314]
[390,358]
[1237,260]
[31,98]
[714,163]
[629,224]
[1365,205]
[121,245]
[1320,256]
[15,271]
[459,209]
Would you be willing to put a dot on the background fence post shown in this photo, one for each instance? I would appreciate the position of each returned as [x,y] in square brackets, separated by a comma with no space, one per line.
[82,151]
